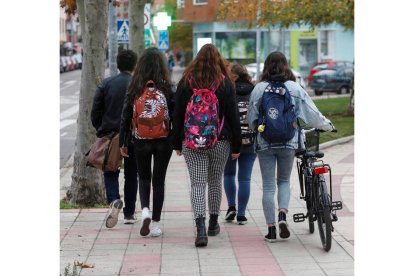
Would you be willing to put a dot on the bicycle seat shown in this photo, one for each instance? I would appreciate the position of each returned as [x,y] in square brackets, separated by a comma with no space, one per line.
[314,154]
[298,153]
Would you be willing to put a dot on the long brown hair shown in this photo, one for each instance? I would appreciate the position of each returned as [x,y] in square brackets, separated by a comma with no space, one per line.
[241,72]
[277,68]
[207,67]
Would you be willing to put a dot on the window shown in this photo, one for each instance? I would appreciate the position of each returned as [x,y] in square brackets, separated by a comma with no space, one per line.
[180,4]
[200,2]
[324,43]
[237,45]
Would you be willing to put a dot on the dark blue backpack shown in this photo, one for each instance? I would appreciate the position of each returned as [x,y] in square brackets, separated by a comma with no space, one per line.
[276,114]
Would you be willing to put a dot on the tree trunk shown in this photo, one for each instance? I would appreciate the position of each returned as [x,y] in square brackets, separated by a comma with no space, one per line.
[136,25]
[87,186]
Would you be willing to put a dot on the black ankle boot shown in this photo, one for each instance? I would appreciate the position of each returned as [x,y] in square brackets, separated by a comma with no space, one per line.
[201,239]
[213,226]
[271,235]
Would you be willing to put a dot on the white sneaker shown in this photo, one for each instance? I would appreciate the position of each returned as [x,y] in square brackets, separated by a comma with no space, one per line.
[113,211]
[145,222]
[155,230]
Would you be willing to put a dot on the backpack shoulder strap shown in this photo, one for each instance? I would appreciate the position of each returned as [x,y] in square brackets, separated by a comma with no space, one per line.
[213,86]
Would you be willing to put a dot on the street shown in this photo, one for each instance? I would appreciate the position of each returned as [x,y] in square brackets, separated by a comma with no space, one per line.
[69,108]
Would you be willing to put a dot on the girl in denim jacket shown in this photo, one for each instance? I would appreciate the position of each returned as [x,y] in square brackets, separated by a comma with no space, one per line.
[276,68]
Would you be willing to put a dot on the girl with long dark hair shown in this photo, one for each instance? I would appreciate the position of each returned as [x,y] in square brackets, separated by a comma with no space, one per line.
[276,69]
[151,74]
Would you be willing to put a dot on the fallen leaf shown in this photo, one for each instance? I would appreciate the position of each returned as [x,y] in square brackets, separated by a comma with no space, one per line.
[82,265]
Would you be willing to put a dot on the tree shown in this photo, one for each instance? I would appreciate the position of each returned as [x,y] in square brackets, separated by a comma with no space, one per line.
[136,25]
[180,34]
[87,186]
[288,12]
[285,13]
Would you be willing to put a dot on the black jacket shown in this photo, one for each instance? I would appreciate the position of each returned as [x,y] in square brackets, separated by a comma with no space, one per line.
[243,90]
[227,107]
[107,103]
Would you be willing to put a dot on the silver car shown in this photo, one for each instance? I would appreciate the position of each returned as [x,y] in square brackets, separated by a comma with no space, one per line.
[251,69]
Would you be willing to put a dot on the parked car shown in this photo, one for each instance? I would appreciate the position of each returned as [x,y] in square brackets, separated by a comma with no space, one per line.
[327,65]
[251,69]
[70,63]
[77,58]
[337,79]
[63,64]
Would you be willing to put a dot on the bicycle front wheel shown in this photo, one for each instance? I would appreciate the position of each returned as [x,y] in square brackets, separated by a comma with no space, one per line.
[324,215]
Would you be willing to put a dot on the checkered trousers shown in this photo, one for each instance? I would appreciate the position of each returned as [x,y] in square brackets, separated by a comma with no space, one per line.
[206,166]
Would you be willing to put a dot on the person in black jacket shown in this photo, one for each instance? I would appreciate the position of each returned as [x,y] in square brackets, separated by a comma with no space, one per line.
[247,156]
[207,165]
[151,66]
[106,118]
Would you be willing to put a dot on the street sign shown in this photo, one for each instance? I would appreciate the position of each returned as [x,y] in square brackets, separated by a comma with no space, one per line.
[147,38]
[147,16]
[123,31]
[162,21]
[163,43]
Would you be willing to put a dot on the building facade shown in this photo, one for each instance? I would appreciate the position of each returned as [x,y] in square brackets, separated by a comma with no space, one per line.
[236,42]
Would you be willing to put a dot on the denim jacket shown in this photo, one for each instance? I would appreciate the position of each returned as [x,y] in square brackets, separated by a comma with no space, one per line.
[304,108]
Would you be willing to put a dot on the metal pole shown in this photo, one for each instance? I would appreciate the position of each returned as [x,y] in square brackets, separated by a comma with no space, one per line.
[258,36]
[112,40]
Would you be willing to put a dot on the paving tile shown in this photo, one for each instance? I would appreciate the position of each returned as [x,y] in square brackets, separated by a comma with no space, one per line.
[316,272]
[134,264]
[237,250]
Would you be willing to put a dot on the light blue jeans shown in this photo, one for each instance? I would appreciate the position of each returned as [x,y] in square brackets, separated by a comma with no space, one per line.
[268,159]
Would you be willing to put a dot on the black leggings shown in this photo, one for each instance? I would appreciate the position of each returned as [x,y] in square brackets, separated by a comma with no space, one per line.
[161,149]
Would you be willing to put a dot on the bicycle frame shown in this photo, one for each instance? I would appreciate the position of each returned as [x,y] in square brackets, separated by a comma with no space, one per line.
[314,190]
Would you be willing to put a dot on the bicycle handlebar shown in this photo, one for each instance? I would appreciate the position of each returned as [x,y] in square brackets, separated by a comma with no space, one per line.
[319,130]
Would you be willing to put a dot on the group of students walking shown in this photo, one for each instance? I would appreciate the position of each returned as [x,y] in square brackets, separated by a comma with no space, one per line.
[213,121]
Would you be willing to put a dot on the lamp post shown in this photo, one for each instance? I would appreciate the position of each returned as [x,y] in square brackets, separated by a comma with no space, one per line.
[112,38]
[258,37]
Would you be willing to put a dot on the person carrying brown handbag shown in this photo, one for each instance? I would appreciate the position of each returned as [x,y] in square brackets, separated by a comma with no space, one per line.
[106,119]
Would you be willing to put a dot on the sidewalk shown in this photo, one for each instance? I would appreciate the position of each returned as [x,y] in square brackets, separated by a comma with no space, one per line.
[237,250]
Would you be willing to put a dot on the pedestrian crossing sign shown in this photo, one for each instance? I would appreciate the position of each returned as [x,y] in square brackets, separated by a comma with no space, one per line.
[163,43]
[123,31]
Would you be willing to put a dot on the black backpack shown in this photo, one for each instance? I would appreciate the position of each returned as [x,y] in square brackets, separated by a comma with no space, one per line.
[247,134]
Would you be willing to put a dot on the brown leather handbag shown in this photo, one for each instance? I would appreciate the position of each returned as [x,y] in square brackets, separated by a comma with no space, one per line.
[105,154]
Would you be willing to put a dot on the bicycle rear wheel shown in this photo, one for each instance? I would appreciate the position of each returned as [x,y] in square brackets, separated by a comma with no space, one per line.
[324,214]
[309,207]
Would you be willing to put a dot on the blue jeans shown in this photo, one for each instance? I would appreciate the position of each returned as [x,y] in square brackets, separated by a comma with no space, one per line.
[111,180]
[245,161]
[267,160]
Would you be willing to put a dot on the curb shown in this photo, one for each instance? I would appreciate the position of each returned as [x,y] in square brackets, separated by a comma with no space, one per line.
[336,142]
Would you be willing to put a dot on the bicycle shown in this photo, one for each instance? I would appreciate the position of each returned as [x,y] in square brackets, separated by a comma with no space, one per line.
[313,189]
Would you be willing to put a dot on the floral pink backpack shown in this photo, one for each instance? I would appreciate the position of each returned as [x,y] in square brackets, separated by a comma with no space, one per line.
[202,123]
